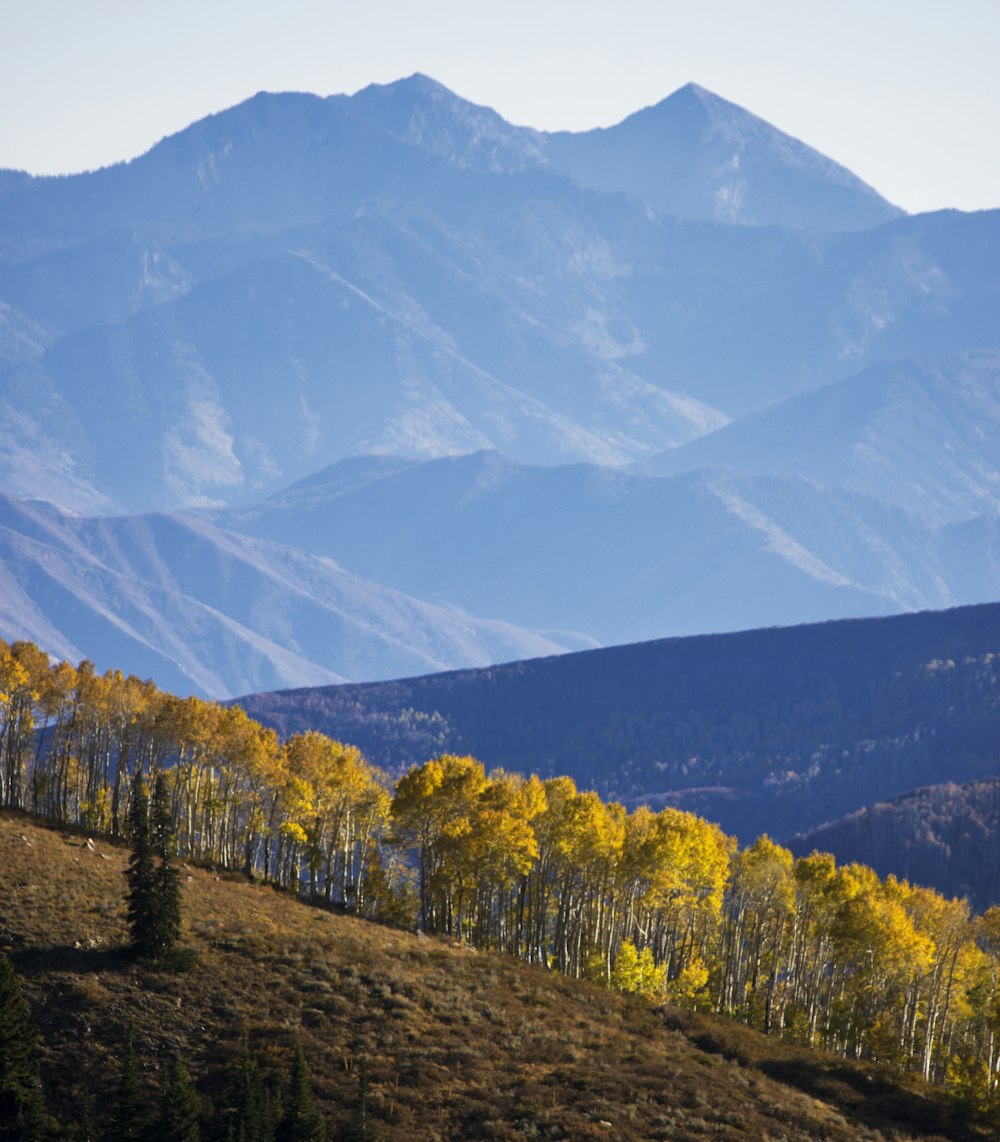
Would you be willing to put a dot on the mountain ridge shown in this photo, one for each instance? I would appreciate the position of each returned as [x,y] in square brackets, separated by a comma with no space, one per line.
[204,610]
[767,731]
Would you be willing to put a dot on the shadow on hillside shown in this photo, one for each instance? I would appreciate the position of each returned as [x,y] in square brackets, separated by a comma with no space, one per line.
[874,1098]
[878,1103]
[70,959]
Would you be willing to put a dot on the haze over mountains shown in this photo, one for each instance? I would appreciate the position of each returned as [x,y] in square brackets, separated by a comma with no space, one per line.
[622,557]
[682,374]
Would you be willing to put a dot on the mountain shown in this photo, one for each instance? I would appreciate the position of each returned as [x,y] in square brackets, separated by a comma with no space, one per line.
[775,731]
[375,567]
[297,280]
[284,362]
[623,557]
[425,114]
[700,156]
[945,836]
[924,434]
[210,612]
[679,375]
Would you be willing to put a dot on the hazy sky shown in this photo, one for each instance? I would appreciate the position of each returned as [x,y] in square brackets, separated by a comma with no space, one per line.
[904,92]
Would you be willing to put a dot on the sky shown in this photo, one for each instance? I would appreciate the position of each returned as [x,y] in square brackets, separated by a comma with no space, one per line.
[906,93]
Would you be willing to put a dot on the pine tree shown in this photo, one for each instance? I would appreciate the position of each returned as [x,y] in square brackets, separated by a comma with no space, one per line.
[179,1113]
[154,896]
[360,1127]
[128,1122]
[141,875]
[21,1105]
[168,884]
[301,1121]
[249,1112]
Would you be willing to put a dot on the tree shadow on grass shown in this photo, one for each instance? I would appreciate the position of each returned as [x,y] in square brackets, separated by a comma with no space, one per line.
[877,1102]
[70,959]
[872,1096]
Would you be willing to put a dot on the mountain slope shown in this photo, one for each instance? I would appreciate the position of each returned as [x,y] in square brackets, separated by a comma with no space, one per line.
[204,611]
[945,836]
[694,154]
[425,114]
[921,434]
[771,731]
[454,1044]
[623,557]
[402,271]
[529,319]
[277,366]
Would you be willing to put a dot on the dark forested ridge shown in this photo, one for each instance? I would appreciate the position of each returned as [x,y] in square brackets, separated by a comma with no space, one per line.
[946,836]
[773,731]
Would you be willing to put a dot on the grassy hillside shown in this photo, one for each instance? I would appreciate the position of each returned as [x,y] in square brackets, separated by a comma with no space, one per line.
[458,1045]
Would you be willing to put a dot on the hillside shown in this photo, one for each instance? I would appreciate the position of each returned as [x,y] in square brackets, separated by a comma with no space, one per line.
[772,731]
[457,1044]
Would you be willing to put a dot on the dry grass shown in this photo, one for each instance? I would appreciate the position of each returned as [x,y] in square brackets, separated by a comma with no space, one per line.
[459,1045]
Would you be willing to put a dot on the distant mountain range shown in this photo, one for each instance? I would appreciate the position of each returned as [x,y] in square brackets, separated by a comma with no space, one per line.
[528,391]
[621,557]
[207,611]
[376,568]
[298,280]
[923,434]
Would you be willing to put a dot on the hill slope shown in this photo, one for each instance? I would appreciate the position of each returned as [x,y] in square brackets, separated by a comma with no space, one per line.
[458,1045]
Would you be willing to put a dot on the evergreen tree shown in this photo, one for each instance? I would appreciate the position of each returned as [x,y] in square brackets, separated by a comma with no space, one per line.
[128,1120]
[21,1107]
[249,1111]
[83,1129]
[141,875]
[301,1121]
[360,1127]
[179,1113]
[168,883]
[154,896]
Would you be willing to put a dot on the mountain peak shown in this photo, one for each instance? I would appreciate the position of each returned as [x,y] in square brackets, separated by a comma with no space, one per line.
[698,155]
[424,113]
[417,85]
[692,91]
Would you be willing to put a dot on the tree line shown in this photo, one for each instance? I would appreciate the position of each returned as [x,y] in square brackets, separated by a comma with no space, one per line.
[663,904]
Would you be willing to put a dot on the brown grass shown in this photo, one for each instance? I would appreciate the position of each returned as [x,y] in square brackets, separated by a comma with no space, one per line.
[459,1045]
